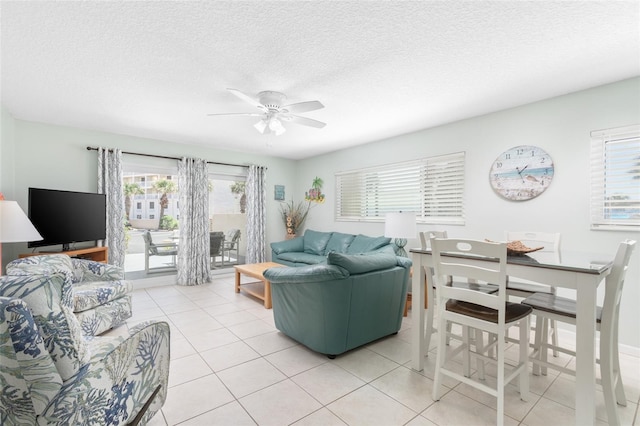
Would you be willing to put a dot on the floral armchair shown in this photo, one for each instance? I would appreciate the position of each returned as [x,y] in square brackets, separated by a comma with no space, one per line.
[101,295]
[51,374]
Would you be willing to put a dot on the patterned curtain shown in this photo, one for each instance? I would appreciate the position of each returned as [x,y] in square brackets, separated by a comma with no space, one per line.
[194,263]
[256,214]
[110,183]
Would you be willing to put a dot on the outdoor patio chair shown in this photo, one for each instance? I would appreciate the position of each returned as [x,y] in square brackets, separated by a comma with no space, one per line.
[162,249]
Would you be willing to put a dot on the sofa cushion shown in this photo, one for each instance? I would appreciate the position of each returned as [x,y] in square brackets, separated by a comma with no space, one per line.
[300,257]
[362,244]
[315,242]
[49,296]
[339,242]
[361,263]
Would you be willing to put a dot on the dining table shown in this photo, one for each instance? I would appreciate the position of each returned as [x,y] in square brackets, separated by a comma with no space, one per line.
[579,271]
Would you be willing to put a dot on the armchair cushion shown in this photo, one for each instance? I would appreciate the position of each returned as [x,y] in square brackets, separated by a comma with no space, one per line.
[91,294]
[88,270]
[49,296]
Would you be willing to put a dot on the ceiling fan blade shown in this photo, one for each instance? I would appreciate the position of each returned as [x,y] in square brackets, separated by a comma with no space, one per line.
[250,114]
[305,121]
[303,107]
[246,98]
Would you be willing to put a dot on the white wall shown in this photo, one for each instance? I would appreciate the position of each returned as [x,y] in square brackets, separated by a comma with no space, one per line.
[33,154]
[56,157]
[561,126]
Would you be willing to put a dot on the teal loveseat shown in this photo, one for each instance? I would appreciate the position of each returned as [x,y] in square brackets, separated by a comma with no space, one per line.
[314,246]
[350,300]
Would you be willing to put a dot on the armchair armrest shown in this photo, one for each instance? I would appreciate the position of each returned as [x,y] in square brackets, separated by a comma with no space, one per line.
[124,373]
[307,274]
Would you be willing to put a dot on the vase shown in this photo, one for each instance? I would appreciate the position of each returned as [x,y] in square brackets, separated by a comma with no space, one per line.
[290,236]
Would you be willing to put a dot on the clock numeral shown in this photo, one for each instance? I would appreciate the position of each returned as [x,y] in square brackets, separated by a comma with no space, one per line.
[498,165]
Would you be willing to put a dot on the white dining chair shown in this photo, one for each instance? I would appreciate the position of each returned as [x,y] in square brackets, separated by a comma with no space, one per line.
[425,240]
[550,242]
[563,309]
[490,312]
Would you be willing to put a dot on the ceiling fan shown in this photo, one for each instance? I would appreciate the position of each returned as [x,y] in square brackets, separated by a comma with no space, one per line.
[272,112]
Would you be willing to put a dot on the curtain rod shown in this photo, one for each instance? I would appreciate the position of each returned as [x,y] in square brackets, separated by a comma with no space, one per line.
[91,148]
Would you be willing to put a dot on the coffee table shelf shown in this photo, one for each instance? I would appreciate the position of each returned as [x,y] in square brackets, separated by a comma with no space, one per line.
[255,270]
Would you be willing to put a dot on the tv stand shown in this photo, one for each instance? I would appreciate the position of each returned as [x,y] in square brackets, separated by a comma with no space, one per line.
[98,254]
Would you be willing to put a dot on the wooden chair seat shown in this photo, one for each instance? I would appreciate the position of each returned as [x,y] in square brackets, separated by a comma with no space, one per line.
[514,311]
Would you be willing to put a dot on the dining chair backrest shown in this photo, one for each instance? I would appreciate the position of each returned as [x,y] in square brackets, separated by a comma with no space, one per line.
[151,247]
[613,287]
[549,240]
[446,265]
[426,236]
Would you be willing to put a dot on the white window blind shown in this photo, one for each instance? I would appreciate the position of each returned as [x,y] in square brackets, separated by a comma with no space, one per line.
[615,178]
[432,187]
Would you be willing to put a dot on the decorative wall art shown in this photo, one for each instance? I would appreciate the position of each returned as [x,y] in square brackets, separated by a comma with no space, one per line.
[315,193]
[278,192]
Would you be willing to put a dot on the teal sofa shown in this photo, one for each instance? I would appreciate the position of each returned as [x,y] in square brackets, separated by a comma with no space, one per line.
[314,246]
[345,302]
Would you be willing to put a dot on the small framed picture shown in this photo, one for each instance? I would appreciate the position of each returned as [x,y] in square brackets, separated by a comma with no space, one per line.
[278,192]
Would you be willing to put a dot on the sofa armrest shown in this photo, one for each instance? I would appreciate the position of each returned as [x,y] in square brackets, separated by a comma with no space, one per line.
[294,244]
[307,274]
[89,270]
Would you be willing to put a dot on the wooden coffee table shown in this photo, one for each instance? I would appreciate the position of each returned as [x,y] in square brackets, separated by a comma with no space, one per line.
[260,290]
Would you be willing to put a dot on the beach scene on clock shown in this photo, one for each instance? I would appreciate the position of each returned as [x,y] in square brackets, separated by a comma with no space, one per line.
[521,173]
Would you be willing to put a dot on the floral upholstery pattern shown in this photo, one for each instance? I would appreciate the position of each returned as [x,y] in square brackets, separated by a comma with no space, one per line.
[50,374]
[101,295]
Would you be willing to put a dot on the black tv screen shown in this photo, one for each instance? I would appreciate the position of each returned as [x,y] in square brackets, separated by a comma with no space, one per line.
[66,217]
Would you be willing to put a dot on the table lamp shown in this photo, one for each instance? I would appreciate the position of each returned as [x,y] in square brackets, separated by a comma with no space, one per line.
[15,226]
[400,226]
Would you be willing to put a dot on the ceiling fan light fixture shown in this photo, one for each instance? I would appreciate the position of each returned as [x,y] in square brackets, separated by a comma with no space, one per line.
[261,126]
[276,126]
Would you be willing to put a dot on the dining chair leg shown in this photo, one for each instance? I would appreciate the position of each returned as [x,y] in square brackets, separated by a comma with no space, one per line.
[440,357]
[620,396]
[478,338]
[500,372]
[537,346]
[553,329]
[431,306]
[525,329]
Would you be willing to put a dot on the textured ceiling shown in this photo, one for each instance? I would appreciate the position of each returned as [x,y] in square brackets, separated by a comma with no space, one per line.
[155,69]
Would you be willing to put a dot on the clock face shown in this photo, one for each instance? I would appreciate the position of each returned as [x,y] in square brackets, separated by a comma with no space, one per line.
[521,173]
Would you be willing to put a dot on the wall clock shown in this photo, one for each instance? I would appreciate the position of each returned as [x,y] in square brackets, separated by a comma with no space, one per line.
[521,173]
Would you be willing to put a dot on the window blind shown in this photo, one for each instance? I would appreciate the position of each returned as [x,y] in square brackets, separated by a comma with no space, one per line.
[431,187]
[615,178]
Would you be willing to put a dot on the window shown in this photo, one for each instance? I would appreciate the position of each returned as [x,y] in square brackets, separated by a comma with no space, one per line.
[432,187]
[615,178]
[152,205]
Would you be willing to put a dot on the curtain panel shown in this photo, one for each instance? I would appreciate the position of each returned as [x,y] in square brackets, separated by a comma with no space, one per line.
[110,184]
[256,214]
[194,263]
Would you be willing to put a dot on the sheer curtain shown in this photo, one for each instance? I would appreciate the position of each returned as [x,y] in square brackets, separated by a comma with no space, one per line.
[110,183]
[194,263]
[256,214]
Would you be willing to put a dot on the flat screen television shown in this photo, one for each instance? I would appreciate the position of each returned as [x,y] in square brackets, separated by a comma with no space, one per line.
[66,217]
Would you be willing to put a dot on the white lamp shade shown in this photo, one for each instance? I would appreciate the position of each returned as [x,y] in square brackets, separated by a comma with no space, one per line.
[400,225]
[15,226]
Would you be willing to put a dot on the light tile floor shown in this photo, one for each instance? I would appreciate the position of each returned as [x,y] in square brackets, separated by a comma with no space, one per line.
[231,366]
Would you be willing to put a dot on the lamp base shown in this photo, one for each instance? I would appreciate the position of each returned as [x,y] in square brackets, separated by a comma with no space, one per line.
[400,243]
